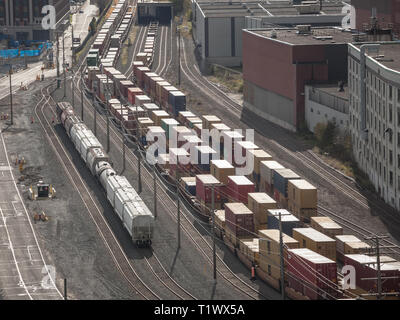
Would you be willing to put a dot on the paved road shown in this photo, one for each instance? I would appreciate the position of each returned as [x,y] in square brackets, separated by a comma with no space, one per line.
[23,274]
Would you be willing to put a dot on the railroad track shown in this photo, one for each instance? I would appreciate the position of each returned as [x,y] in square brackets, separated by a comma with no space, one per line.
[188,227]
[307,160]
[120,259]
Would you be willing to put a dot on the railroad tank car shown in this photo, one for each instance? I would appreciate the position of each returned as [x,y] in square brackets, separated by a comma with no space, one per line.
[127,204]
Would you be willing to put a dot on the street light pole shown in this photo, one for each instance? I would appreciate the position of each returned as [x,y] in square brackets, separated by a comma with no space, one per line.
[281,257]
[65,75]
[213,233]
[11,98]
[179,56]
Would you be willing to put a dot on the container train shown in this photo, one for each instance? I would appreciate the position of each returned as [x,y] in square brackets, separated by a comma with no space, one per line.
[147,102]
[135,216]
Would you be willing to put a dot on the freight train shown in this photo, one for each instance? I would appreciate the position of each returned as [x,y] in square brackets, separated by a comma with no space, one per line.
[247,206]
[135,216]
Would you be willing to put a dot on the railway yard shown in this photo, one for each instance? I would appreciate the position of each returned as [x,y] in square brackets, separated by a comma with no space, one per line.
[86,236]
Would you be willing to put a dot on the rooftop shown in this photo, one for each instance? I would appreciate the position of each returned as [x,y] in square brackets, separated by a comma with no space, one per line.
[333,89]
[311,255]
[387,55]
[317,36]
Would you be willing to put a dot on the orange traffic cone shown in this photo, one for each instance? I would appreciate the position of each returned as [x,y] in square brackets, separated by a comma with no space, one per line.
[31,119]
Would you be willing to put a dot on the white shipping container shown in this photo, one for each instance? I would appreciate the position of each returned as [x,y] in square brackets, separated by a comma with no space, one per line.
[266,170]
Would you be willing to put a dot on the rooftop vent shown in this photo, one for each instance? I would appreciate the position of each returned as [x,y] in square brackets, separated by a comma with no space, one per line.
[323,38]
[304,28]
[274,34]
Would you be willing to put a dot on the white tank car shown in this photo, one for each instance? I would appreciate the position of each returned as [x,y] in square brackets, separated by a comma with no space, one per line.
[94,156]
[88,143]
[70,122]
[104,170]
[113,184]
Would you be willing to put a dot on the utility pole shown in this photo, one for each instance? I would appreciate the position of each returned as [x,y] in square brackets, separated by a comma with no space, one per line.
[58,62]
[65,75]
[73,93]
[139,171]
[11,98]
[108,133]
[94,118]
[178,204]
[123,153]
[81,103]
[281,257]
[65,289]
[155,191]
[72,47]
[179,56]
[213,233]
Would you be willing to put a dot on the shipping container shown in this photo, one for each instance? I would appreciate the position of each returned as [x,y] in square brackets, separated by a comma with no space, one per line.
[204,156]
[198,127]
[156,133]
[204,183]
[176,102]
[183,115]
[124,85]
[208,120]
[221,169]
[366,272]
[327,226]
[147,79]
[254,158]
[139,75]
[288,220]
[167,124]
[132,93]
[316,241]
[250,249]
[239,187]
[159,87]
[165,90]
[193,120]
[281,179]
[349,244]
[158,115]
[179,164]
[259,203]
[311,274]
[228,141]
[141,100]
[219,216]
[178,135]
[302,199]
[189,184]
[149,107]
[269,248]
[240,152]
[239,219]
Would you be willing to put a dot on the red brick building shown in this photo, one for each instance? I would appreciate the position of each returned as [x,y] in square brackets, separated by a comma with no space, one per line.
[276,69]
[387,11]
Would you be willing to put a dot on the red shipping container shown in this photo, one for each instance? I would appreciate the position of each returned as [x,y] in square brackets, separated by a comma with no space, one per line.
[165,90]
[239,219]
[366,267]
[311,273]
[139,76]
[123,87]
[147,80]
[203,188]
[132,93]
[239,187]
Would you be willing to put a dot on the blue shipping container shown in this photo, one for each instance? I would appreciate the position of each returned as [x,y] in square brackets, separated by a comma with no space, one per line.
[280,179]
[177,101]
[289,221]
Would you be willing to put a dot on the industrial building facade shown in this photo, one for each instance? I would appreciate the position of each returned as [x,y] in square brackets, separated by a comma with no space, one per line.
[217,25]
[22,19]
[278,63]
[375,129]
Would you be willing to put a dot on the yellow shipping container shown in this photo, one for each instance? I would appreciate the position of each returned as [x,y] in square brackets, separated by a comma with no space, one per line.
[157,115]
[316,241]
[208,120]
[257,156]
[304,214]
[269,245]
[358,247]
[250,248]
[327,226]
[272,268]
[302,194]
[259,203]
[221,169]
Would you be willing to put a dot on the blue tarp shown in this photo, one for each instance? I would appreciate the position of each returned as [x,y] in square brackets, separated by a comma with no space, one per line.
[12,53]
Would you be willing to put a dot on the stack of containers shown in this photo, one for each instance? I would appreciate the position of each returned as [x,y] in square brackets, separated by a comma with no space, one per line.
[179,166]
[302,199]
[204,156]
[156,133]
[255,157]
[219,216]
[153,86]
[280,180]
[221,169]
[165,90]
[179,133]
[198,127]
[167,124]
[132,93]
[92,72]
[239,222]
[149,107]
[117,84]
[259,203]
[216,134]
[316,241]
[310,273]
[204,183]
[266,175]
[146,78]
[114,105]
[288,220]
[239,187]
[158,115]
[366,271]
[144,124]
[191,142]
[124,85]
[327,226]
[139,75]
[142,56]
[189,184]
[159,87]
[349,244]
[96,85]
[176,102]
[184,115]
[141,100]
[242,148]
[208,120]
[228,141]
[192,121]
[136,112]
[269,248]
[251,249]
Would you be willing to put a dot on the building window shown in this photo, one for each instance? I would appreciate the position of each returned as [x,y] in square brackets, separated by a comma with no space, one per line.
[269,247]
[390,92]
[391,178]
[390,113]
[312,110]
[390,157]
